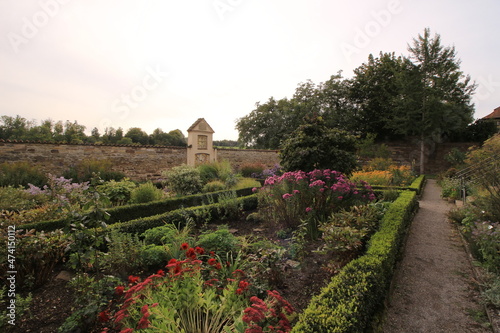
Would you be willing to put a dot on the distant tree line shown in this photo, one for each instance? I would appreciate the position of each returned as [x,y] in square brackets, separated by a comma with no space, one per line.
[19,128]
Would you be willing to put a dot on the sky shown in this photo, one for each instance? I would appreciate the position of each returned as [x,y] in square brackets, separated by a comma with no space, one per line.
[165,63]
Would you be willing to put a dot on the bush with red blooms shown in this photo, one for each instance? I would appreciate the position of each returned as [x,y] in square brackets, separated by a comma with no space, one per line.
[191,296]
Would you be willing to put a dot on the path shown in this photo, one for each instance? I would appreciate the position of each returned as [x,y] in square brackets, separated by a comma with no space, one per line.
[431,288]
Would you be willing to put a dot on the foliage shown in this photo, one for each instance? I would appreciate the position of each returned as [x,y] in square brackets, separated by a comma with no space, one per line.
[456,158]
[146,192]
[269,315]
[297,196]
[367,148]
[84,231]
[23,304]
[379,163]
[123,254]
[246,183]
[347,230]
[353,296]
[221,241]
[183,180]
[492,293]
[435,96]
[251,169]
[118,192]
[153,256]
[451,188]
[36,256]
[84,171]
[274,171]
[213,186]
[315,146]
[15,198]
[21,174]
[91,295]
[189,297]
[486,237]
[229,207]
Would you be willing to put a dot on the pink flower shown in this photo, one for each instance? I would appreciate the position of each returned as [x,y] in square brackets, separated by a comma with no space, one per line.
[308,209]
[287,195]
[340,197]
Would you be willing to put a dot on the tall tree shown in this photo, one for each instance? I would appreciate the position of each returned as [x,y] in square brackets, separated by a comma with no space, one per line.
[373,90]
[435,96]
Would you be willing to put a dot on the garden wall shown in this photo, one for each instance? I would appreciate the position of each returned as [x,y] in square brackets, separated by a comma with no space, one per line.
[147,162]
[137,162]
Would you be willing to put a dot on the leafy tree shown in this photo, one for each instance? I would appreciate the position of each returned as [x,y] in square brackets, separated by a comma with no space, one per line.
[13,128]
[313,145]
[374,89]
[435,96]
[74,132]
[137,135]
[267,125]
[335,106]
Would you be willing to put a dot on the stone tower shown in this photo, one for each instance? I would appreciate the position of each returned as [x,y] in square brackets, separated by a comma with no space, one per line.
[200,143]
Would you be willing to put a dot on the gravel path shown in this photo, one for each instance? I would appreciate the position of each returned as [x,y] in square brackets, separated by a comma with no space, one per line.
[431,289]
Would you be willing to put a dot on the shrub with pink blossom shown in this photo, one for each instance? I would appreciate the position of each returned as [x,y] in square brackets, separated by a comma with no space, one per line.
[299,195]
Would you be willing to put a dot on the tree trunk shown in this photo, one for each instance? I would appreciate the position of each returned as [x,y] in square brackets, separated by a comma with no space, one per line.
[422,154]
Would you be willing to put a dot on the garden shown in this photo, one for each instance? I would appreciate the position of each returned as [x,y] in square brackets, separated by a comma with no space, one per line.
[479,218]
[207,249]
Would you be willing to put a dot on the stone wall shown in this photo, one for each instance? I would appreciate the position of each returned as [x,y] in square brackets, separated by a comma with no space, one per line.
[139,163]
[147,162]
[237,157]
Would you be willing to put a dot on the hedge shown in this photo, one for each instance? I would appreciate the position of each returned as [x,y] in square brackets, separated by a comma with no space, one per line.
[135,211]
[416,186]
[180,216]
[353,297]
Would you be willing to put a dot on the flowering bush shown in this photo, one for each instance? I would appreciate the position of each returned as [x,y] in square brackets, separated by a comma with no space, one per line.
[392,175]
[486,237]
[270,315]
[298,195]
[189,296]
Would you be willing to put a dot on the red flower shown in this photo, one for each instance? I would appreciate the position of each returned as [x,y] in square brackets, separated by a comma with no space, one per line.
[160,272]
[199,250]
[143,323]
[184,246]
[145,309]
[190,253]
[218,266]
[239,272]
[104,316]
[119,290]
[133,279]
[212,253]
[127,330]
[212,261]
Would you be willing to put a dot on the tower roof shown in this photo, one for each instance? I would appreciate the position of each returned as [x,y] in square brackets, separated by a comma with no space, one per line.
[201,125]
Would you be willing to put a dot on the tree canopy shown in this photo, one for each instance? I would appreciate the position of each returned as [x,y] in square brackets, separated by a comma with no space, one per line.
[424,95]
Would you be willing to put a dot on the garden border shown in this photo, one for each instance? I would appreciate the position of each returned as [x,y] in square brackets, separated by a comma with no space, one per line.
[350,302]
[136,211]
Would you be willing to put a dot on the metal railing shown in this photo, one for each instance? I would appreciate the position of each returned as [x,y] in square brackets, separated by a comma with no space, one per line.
[477,172]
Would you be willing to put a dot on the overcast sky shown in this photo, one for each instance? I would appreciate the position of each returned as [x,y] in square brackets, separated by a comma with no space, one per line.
[165,63]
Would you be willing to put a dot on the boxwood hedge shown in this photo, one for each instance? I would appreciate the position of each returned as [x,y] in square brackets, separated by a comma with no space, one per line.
[136,211]
[355,295]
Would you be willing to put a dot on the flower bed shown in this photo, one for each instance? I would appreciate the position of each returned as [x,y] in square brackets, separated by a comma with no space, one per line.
[353,297]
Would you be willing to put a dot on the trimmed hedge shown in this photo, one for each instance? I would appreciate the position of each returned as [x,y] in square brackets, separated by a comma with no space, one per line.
[416,186]
[179,216]
[352,298]
[136,211]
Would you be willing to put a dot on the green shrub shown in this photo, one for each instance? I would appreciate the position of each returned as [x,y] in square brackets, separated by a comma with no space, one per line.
[146,192]
[251,169]
[83,171]
[492,293]
[91,295]
[15,198]
[357,292]
[451,188]
[154,256]
[21,174]
[221,241]
[215,185]
[36,256]
[208,172]
[160,235]
[119,192]
[380,163]
[123,255]
[183,180]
